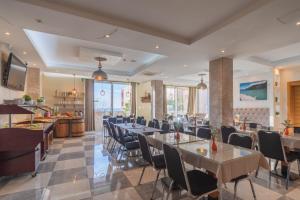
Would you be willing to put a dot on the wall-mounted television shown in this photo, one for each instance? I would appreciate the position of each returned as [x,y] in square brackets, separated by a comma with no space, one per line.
[14,73]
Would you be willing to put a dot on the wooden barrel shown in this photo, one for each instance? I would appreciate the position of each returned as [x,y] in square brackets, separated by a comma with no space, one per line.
[62,128]
[77,127]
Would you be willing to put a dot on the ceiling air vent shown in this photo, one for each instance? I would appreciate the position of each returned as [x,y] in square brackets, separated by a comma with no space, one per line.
[150,73]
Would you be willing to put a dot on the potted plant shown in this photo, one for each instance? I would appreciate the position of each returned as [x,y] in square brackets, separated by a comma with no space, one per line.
[287,126]
[214,132]
[27,99]
[40,101]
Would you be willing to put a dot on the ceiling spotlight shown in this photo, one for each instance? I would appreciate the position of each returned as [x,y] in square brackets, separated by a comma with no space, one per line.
[24,52]
[107,36]
[184,65]
[34,64]
[156,46]
[298,23]
[7,33]
[222,51]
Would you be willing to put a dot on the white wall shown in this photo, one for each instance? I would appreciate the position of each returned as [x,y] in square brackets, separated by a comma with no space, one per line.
[269,103]
[143,109]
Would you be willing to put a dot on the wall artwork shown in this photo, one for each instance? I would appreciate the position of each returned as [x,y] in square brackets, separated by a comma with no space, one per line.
[254,91]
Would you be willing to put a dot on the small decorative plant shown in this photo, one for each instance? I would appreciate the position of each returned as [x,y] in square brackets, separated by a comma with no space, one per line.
[40,100]
[214,132]
[26,97]
[177,126]
[287,124]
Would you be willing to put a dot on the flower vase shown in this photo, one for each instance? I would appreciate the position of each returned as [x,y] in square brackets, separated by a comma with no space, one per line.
[286,131]
[177,136]
[214,145]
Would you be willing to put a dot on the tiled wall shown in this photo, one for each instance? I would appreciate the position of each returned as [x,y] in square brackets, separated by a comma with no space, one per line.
[256,115]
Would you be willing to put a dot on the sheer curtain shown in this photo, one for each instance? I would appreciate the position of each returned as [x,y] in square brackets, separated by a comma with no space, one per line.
[165,110]
[89,105]
[192,100]
[133,98]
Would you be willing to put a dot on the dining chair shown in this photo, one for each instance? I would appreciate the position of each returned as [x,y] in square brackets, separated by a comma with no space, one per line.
[244,141]
[157,161]
[120,119]
[270,145]
[126,119]
[253,125]
[139,119]
[127,144]
[112,120]
[165,127]
[195,182]
[143,122]
[226,131]
[151,124]
[204,133]
[156,123]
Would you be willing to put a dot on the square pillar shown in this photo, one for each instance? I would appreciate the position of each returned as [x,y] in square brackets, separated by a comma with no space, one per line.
[33,83]
[157,99]
[221,92]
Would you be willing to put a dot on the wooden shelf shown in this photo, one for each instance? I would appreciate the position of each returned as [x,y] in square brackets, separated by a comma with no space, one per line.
[70,97]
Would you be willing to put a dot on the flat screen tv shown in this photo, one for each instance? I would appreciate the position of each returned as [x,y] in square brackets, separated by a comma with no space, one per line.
[14,75]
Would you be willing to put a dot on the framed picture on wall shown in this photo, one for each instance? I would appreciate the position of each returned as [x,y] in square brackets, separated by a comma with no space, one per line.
[254,91]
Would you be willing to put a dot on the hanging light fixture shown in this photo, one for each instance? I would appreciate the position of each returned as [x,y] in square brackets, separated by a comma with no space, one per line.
[202,85]
[74,91]
[99,75]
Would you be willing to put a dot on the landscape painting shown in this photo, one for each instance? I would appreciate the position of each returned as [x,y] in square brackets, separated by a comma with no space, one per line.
[254,91]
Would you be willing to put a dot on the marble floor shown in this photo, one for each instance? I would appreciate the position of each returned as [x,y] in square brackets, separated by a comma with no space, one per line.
[82,169]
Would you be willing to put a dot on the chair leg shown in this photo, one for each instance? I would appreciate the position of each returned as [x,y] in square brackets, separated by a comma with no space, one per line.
[142,175]
[235,187]
[154,188]
[270,174]
[287,176]
[252,188]
[275,166]
[298,161]
[169,189]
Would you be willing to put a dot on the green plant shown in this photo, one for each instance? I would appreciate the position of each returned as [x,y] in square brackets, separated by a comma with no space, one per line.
[26,97]
[40,100]
[214,131]
[287,123]
[177,125]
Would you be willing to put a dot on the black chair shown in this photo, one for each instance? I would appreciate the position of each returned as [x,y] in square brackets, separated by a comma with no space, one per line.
[196,182]
[139,119]
[120,119]
[151,124]
[126,119]
[253,125]
[297,130]
[156,123]
[105,125]
[157,161]
[226,131]
[244,141]
[270,145]
[110,135]
[165,127]
[127,143]
[115,137]
[204,133]
[112,120]
[143,122]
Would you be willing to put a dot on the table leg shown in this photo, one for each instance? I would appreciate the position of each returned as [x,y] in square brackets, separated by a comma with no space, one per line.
[220,190]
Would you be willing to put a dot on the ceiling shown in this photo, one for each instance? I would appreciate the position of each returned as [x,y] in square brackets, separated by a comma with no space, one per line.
[169,40]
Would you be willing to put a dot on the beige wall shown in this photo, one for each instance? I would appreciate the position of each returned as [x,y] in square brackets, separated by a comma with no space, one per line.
[143,109]
[50,84]
[286,75]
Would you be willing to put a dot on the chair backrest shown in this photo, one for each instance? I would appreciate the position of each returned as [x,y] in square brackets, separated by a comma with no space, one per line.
[139,119]
[270,145]
[126,119]
[113,130]
[297,130]
[204,133]
[146,153]
[143,122]
[175,167]
[112,120]
[151,124]
[156,123]
[108,129]
[237,139]
[253,125]
[165,128]
[226,131]
[105,123]
[121,135]
[120,119]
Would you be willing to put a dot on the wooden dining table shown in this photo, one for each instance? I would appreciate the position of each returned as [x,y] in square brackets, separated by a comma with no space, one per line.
[227,163]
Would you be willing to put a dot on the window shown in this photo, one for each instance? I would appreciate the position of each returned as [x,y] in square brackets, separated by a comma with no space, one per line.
[177,100]
[111,99]
[202,101]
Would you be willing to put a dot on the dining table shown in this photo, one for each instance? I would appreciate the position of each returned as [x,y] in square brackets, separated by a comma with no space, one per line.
[137,128]
[227,163]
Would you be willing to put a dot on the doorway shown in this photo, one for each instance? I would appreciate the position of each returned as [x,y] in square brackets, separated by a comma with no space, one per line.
[293,94]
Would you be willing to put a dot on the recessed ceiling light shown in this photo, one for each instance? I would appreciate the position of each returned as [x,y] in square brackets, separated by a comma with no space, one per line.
[298,23]
[34,64]
[7,33]
[222,51]
[107,36]
[156,46]
[184,65]
[24,52]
